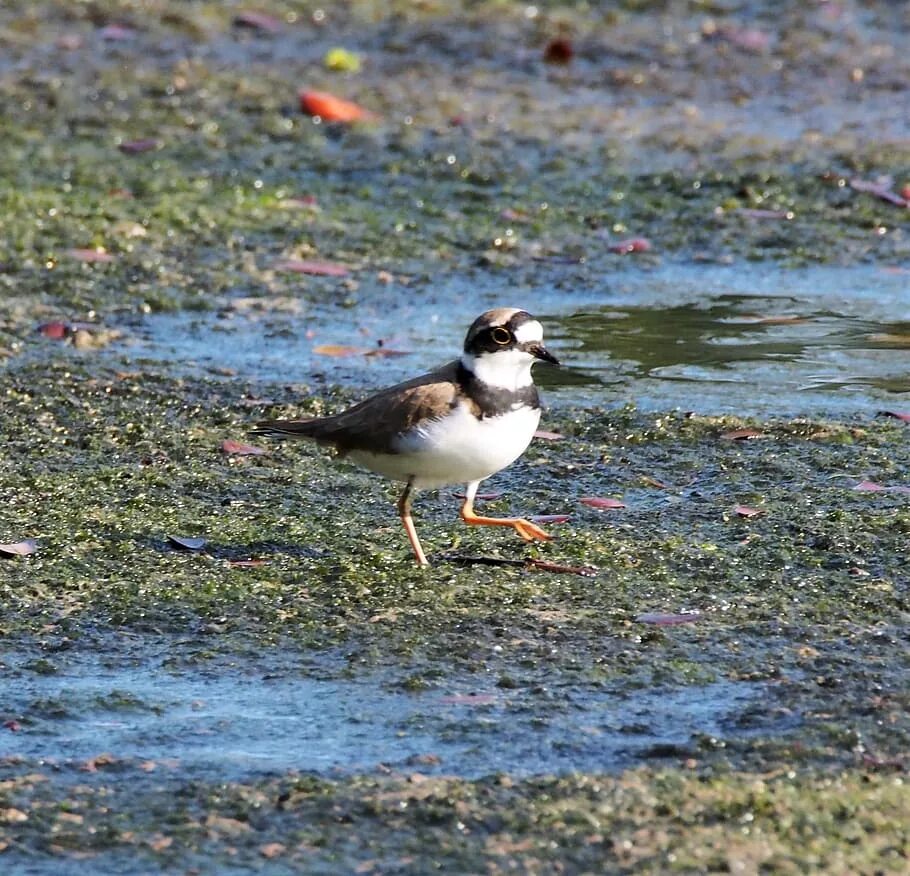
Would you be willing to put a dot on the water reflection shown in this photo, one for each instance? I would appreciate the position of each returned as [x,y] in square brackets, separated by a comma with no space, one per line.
[766,342]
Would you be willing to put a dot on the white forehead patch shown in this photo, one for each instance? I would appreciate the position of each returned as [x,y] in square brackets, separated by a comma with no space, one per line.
[529,331]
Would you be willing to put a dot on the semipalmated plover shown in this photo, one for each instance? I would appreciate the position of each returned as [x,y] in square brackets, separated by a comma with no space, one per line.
[458,424]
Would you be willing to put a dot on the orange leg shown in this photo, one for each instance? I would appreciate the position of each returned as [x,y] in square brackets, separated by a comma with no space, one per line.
[404,511]
[527,530]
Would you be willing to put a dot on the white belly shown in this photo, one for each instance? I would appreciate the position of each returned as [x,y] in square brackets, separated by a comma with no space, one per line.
[457,449]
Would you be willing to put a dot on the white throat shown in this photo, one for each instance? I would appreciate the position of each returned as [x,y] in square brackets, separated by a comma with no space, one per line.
[504,369]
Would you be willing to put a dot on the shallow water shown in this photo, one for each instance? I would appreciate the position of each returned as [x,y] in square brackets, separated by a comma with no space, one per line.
[745,339]
[235,719]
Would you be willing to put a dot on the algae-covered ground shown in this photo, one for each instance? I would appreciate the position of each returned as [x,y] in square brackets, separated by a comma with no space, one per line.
[712,678]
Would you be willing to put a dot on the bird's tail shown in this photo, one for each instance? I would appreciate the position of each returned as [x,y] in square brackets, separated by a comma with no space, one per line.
[288,428]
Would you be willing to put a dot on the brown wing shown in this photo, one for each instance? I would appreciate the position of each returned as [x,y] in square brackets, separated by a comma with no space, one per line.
[374,423]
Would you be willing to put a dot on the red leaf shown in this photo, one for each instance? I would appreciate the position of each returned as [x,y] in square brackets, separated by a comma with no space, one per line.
[897,415]
[597,502]
[237,449]
[331,108]
[185,543]
[257,21]
[558,51]
[662,619]
[90,255]
[251,563]
[20,548]
[633,244]
[746,511]
[117,33]
[135,147]
[741,434]
[550,518]
[317,269]
[544,435]
[56,330]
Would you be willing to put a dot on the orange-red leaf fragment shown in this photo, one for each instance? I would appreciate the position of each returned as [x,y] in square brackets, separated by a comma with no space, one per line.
[337,350]
[747,511]
[331,108]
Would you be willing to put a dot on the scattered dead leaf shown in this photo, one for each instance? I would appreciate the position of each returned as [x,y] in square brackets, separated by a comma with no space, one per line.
[632,245]
[558,51]
[116,33]
[751,213]
[559,568]
[601,503]
[19,549]
[897,415]
[549,518]
[337,350]
[257,21]
[746,511]
[868,487]
[137,147]
[98,255]
[881,188]
[187,543]
[741,434]
[312,267]
[236,448]
[272,850]
[331,108]
[668,619]
[250,563]
[544,435]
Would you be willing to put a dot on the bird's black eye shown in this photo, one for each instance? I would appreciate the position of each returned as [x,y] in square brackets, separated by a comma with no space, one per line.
[501,336]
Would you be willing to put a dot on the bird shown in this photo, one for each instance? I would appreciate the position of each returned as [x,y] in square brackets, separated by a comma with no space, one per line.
[460,423]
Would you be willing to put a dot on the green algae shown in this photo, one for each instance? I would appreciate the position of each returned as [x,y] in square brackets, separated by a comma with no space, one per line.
[657,128]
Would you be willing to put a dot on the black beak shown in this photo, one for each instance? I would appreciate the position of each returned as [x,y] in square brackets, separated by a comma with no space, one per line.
[539,351]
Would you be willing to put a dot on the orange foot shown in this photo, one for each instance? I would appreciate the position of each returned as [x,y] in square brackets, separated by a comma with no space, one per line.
[527,530]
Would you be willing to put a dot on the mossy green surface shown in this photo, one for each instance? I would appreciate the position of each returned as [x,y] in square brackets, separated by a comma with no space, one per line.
[483,161]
